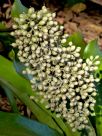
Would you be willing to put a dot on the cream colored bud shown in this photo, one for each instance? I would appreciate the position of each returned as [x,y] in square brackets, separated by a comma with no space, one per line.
[97,79]
[78,49]
[97,62]
[97,57]
[75,69]
[32,23]
[53,15]
[12,33]
[42,22]
[15,26]
[70,43]
[14,44]
[44,9]
[72,48]
[61,27]
[50,23]
[76,54]
[31,10]
[33,16]
[63,41]
[24,26]
[94,94]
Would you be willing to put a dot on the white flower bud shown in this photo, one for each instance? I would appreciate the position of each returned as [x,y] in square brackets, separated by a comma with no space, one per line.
[97,79]
[61,27]
[33,16]
[97,62]
[25,26]
[53,15]
[72,48]
[86,105]
[74,129]
[76,54]
[94,94]
[81,72]
[12,33]
[78,49]
[95,68]
[21,20]
[44,9]
[14,44]
[75,69]
[45,30]
[70,43]
[50,23]
[42,22]
[15,26]
[91,58]
[31,10]
[32,23]
[84,86]
[63,41]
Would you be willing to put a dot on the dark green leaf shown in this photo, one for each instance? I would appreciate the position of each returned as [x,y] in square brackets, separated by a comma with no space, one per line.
[16,125]
[92,49]
[98,109]
[18,8]
[2,26]
[6,38]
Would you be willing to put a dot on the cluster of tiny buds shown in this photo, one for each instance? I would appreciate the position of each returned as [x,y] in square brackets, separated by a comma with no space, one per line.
[60,76]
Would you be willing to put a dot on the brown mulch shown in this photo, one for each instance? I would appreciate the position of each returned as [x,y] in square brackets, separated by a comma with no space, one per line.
[4,104]
[6,107]
[89,23]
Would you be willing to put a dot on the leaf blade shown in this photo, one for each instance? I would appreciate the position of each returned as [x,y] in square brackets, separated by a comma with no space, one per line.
[16,125]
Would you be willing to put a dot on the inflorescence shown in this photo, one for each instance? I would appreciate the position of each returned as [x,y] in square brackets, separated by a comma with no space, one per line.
[60,76]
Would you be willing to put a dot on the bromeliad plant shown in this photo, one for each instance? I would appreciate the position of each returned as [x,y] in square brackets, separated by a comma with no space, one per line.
[62,73]
[61,79]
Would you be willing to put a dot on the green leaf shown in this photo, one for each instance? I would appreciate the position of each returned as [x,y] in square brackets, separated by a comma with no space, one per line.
[16,125]
[77,40]
[2,26]
[98,108]
[99,71]
[6,38]
[11,54]
[92,49]
[18,8]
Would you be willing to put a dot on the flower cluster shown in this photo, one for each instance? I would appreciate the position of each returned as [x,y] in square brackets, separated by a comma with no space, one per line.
[60,76]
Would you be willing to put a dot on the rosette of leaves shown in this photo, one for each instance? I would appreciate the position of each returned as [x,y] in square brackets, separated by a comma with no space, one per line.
[62,80]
